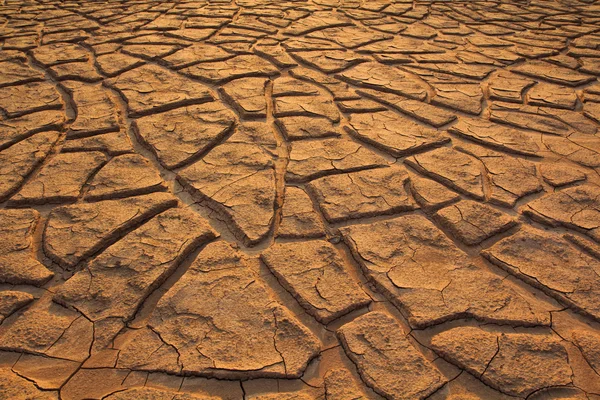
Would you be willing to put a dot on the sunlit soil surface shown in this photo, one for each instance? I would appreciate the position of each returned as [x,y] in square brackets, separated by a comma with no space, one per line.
[321,199]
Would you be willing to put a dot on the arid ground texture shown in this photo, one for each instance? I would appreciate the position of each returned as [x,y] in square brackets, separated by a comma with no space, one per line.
[299,200]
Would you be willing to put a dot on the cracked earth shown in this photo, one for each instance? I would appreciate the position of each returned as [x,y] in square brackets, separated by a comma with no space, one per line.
[311,199]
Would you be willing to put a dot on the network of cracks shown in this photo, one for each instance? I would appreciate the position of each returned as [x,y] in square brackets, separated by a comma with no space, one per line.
[312,199]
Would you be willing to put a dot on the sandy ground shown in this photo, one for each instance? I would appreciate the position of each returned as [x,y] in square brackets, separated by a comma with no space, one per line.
[320,199]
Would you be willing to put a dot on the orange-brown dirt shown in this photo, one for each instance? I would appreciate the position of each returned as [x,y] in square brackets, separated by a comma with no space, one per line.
[311,199]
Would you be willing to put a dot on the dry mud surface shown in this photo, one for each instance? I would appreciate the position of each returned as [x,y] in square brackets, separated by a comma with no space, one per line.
[313,199]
